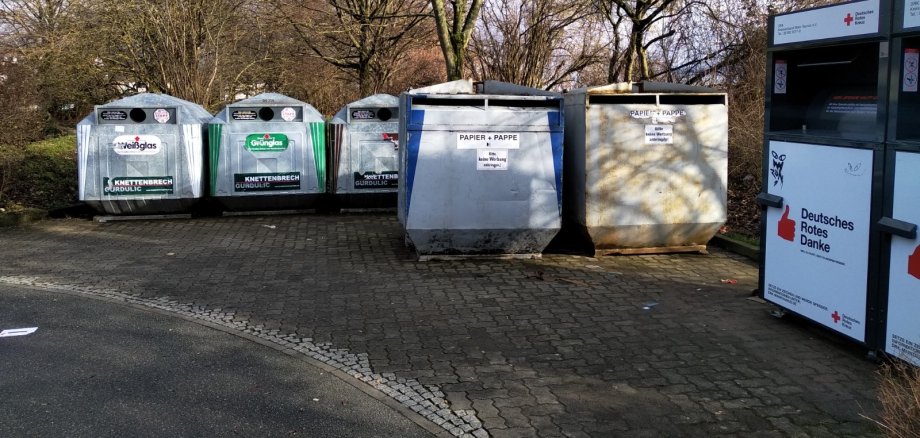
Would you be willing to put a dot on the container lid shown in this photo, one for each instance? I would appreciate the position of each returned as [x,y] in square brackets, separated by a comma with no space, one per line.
[462,86]
[644,87]
[187,112]
[494,88]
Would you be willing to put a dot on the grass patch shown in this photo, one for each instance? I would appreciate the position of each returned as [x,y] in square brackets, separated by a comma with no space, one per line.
[899,394]
[43,175]
[16,215]
[743,238]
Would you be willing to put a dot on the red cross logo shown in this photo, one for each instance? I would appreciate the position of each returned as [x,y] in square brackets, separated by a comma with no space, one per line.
[267,136]
[836,317]
[137,139]
[848,19]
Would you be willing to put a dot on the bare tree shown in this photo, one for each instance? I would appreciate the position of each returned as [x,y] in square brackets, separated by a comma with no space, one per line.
[362,37]
[454,23]
[48,39]
[537,43]
[200,50]
[632,61]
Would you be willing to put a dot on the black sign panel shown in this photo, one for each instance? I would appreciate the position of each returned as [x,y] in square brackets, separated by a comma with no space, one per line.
[373,180]
[244,115]
[113,115]
[363,114]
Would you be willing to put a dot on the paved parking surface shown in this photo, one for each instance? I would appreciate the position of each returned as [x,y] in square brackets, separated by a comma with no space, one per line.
[99,369]
[560,346]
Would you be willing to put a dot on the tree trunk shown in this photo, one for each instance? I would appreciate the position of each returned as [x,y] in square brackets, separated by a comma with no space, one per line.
[455,36]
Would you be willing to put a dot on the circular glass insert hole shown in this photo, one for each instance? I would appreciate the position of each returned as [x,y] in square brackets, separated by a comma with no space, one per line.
[138,115]
[266,114]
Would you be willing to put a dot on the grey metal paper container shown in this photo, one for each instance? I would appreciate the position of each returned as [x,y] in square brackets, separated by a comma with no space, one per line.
[480,173]
[142,154]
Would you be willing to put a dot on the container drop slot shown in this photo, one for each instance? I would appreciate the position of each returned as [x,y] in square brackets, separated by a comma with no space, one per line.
[515,103]
[137,115]
[266,114]
[623,99]
[825,63]
[384,114]
[827,92]
[435,101]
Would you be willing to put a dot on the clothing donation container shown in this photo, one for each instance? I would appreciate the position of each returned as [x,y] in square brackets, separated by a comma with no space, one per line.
[142,154]
[481,168]
[364,153]
[268,152]
[646,167]
[826,95]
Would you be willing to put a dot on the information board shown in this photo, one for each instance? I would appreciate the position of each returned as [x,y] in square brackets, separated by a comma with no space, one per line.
[817,246]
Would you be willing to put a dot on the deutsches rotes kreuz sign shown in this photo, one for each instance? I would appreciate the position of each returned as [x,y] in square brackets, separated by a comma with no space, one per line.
[850,19]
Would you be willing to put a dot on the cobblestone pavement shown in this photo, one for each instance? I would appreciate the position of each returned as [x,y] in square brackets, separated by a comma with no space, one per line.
[559,346]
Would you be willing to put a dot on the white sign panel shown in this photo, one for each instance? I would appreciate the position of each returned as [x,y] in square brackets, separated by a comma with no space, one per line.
[485,140]
[817,246]
[137,144]
[911,13]
[780,77]
[659,134]
[18,332]
[161,115]
[850,19]
[492,159]
[288,114]
[911,62]
[903,336]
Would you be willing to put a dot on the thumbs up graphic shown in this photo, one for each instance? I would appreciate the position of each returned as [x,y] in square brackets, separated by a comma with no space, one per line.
[913,263]
[786,227]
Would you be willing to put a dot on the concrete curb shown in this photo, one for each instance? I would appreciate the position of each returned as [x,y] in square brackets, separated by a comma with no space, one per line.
[736,246]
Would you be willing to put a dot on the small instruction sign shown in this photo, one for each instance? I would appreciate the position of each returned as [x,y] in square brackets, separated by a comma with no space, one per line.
[780,72]
[161,115]
[113,115]
[288,114]
[485,140]
[659,134]
[492,159]
[244,115]
[911,61]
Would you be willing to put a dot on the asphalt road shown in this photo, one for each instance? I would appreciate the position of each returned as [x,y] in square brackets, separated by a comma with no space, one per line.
[98,368]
